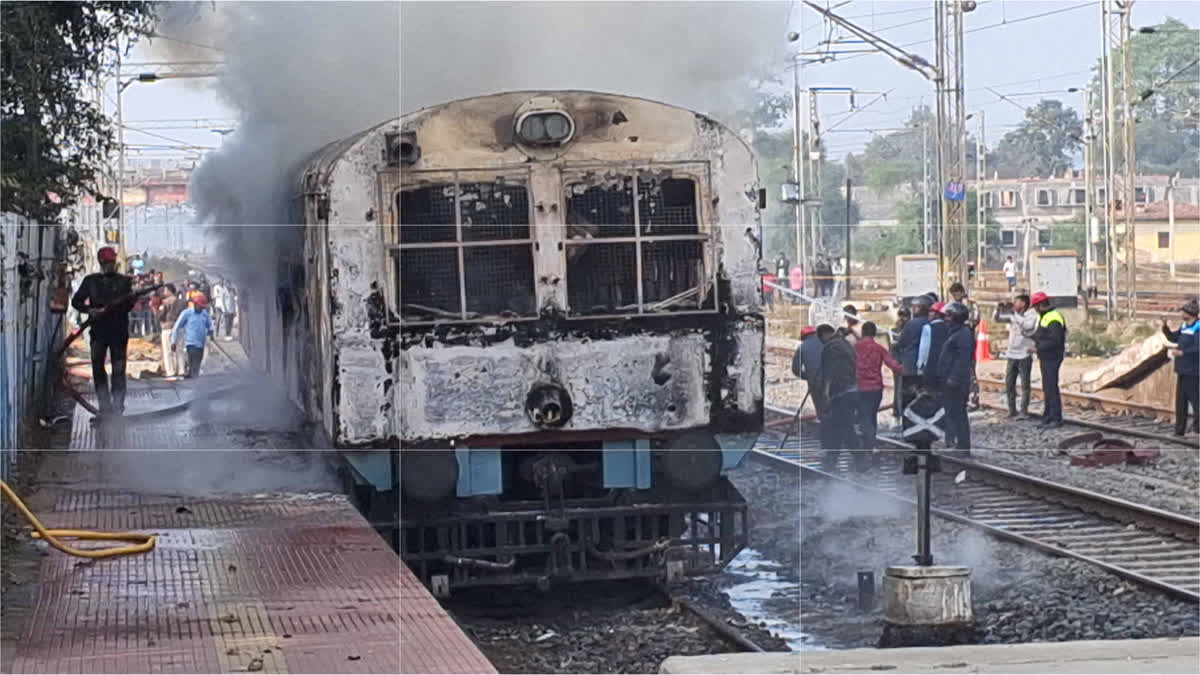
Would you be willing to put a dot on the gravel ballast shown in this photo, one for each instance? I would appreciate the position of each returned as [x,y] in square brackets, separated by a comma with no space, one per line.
[1170,482]
[1019,594]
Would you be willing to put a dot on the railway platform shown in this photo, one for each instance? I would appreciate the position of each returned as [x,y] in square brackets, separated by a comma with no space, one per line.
[275,573]
[764,663]
[430,641]
[1163,655]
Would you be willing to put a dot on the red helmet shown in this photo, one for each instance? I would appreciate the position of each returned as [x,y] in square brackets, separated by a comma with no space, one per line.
[806,331]
[107,254]
[938,307]
[1038,298]
[200,301]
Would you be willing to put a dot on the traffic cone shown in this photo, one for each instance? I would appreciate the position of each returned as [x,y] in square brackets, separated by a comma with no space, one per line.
[983,349]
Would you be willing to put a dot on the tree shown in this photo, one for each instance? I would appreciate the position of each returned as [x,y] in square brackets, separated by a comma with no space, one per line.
[52,133]
[1042,145]
[1166,81]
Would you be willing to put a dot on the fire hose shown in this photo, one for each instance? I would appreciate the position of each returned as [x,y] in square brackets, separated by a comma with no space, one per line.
[144,542]
[92,317]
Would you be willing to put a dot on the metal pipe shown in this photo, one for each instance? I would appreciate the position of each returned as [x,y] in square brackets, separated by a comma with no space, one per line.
[924,557]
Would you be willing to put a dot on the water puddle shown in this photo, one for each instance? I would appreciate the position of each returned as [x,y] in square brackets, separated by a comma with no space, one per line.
[766,597]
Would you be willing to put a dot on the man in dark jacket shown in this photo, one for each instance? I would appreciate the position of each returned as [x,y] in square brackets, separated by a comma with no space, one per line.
[929,350]
[1187,366]
[1051,341]
[955,365]
[810,372]
[839,376]
[910,336]
[110,332]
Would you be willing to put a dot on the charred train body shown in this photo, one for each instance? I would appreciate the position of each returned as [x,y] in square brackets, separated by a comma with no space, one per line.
[539,296]
[580,339]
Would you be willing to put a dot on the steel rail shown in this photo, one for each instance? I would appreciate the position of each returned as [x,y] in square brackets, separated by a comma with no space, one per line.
[722,629]
[1039,490]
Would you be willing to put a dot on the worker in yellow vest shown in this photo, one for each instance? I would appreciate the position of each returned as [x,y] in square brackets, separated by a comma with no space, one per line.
[1051,340]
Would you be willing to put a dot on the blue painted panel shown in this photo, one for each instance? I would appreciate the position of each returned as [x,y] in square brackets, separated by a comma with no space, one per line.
[627,464]
[732,459]
[373,466]
[478,472]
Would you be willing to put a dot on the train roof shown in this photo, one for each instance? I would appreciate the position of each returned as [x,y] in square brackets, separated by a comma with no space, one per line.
[530,93]
[321,163]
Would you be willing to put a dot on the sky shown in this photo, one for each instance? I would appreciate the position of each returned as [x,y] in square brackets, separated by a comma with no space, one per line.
[1048,53]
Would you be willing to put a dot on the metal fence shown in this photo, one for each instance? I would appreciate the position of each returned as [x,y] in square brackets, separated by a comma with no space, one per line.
[28,330]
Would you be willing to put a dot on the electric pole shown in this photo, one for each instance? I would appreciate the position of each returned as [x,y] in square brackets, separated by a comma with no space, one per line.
[951,138]
[980,211]
[1117,31]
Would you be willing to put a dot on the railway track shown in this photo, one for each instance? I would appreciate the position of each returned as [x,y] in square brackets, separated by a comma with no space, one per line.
[1148,546]
[1084,413]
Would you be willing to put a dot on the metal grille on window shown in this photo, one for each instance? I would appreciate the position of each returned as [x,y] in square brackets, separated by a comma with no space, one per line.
[667,206]
[602,278]
[429,284]
[499,280]
[495,278]
[427,214]
[600,211]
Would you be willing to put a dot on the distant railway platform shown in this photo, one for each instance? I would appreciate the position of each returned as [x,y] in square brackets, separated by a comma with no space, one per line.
[259,566]
[430,641]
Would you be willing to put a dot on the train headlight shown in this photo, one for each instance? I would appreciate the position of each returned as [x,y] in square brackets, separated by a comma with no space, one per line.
[545,128]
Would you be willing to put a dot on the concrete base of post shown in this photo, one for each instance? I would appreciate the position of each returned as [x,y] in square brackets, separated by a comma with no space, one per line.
[926,606]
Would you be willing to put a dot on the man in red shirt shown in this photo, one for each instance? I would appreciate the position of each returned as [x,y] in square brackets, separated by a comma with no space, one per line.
[870,356]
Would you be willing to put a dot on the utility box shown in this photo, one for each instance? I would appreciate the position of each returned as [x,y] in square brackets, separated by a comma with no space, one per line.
[1055,273]
[915,275]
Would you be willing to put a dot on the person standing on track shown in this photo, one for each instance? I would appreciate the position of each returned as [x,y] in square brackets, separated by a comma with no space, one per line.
[1019,355]
[1187,366]
[959,293]
[840,379]
[954,368]
[170,308]
[197,327]
[870,357]
[109,333]
[1051,341]
[810,371]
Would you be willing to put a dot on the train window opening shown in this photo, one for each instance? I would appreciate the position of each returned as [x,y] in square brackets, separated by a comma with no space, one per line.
[658,220]
[466,251]
[427,214]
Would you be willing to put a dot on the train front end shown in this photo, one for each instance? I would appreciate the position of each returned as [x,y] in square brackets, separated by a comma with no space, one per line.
[580,338]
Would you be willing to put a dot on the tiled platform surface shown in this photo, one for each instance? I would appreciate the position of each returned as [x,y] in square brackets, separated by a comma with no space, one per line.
[430,641]
[272,583]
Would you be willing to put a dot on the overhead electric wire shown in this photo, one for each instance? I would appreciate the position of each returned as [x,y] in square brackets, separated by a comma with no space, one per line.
[1152,90]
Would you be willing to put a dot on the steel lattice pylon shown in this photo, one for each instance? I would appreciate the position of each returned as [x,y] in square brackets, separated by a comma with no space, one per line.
[951,139]
[1119,158]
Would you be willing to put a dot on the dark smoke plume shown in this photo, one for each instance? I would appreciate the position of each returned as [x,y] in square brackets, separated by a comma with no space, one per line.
[301,75]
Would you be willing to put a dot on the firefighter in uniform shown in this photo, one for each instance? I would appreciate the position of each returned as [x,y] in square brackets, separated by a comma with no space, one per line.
[109,333]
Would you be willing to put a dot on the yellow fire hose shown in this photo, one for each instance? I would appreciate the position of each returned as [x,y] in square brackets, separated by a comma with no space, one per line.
[146,541]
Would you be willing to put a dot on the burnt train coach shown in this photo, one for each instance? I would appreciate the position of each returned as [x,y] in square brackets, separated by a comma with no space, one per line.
[580,338]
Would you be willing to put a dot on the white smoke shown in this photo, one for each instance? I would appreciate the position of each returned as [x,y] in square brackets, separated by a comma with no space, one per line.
[693,54]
